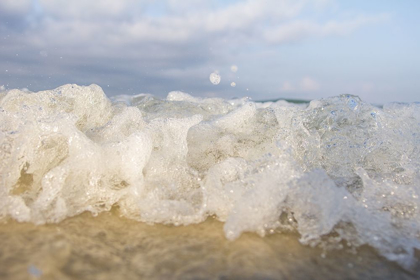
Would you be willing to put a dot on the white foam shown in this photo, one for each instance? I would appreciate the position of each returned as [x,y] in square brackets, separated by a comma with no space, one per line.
[338,169]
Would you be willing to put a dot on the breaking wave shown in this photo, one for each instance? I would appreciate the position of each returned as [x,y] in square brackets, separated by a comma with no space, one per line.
[339,171]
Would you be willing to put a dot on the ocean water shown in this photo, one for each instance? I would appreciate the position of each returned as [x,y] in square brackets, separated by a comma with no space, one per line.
[336,174]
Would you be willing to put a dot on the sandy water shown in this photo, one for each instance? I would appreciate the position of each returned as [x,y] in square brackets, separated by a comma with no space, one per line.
[111,247]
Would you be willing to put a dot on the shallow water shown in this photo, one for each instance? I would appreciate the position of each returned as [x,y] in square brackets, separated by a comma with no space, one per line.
[111,247]
[336,172]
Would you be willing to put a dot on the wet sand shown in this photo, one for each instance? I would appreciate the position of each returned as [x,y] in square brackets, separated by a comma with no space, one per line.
[110,247]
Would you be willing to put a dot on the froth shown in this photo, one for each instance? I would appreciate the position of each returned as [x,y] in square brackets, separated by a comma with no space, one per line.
[337,169]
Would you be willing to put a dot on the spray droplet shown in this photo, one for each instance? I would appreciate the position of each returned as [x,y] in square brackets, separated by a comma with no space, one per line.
[234,68]
[233,84]
[34,271]
[215,78]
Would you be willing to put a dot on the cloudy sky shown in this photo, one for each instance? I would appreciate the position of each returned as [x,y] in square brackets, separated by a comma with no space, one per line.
[303,49]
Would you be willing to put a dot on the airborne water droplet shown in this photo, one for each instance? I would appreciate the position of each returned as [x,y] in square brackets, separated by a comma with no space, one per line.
[233,84]
[215,78]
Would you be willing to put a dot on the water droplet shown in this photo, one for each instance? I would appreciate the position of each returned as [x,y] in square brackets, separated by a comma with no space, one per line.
[233,84]
[352,104]
[215,78]
[234,68]
[34,271]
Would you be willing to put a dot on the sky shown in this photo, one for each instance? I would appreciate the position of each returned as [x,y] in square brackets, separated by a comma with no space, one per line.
[263,49]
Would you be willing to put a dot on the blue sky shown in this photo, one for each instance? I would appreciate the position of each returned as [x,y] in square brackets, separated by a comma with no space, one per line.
[306,49]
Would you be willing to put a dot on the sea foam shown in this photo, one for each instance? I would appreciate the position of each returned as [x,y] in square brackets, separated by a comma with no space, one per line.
[339,171]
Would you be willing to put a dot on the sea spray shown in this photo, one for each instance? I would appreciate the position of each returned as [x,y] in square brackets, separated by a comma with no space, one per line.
[336,170]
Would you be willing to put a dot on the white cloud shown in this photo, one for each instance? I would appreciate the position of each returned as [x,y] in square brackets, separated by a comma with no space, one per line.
[15,6]
[367,87]
[155,42]
[301,29]
[89,10]
[127,20]
[243,15]
[308,84]
[346,27]
[111,23]
[287,86]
